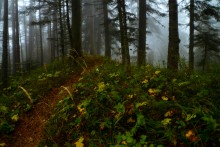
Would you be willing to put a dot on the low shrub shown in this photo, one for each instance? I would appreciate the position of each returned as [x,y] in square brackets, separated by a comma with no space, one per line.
[143,107]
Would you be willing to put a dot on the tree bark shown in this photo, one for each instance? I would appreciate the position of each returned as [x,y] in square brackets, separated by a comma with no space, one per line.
[61,29]
[106,29]
[1,2]
[5,46]
[191,36]
[123,32]
[142,33]
[68,23]
[15,38]
[41,38]
[76,51]
[173,47]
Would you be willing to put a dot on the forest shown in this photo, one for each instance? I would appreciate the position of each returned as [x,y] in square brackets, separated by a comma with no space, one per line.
[118,73]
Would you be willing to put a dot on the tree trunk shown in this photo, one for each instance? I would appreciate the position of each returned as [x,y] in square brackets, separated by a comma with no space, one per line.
[173,47]
[41,39]
[68,23]
[123,32]
[61,29]
[142,33]
[1,2]
[5,46]
[25,37]
[204,64]
[31,38]
[76,51]
[191,36]
[106,29]
[15,37]
[92,28]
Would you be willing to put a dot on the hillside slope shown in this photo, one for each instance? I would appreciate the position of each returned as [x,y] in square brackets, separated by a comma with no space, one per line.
[29,130]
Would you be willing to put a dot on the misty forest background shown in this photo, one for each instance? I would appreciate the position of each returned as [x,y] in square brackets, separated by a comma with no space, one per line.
[155,79]
[37,32]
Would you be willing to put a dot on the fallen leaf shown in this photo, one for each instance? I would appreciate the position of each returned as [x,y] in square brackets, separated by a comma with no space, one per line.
[79,142]
[2,144]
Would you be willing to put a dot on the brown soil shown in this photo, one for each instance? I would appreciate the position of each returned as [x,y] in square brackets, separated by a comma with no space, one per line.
[31,125]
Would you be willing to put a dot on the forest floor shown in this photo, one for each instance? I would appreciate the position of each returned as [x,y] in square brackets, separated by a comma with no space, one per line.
[30,130]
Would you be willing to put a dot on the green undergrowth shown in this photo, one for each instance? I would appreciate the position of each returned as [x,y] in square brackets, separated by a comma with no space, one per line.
[27,89]
[143,107]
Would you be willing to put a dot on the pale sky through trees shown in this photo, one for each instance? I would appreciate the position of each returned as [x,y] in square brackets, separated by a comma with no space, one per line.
[158,40]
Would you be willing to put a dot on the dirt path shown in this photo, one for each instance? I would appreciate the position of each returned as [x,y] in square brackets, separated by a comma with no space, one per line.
[30,129]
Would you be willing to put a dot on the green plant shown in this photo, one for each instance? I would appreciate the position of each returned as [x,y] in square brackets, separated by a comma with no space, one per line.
[143,107]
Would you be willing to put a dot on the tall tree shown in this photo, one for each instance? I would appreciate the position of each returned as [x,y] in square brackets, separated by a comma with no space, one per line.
[41,36]
[31,38]
[1,2]
[16,36]
[5,46]
[76,28]
[207,34]
[106,29]
[173,46]
[142,33]
[191,35]
[123,32]
[61,29]
[68,23]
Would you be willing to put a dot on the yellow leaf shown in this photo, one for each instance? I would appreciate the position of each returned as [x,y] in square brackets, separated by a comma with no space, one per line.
[2,144]
[145,81]
[152,91]
[130,96]
[168,114]
[101,86]
[15,117]
[81,110]
[124,142]
[130,120]
[189,134]
[79,142]
[166,121]
[190,116]
[164,98]
[80,79]
[157,72]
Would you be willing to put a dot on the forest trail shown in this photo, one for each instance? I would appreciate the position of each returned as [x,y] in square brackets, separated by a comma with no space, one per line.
[31,125]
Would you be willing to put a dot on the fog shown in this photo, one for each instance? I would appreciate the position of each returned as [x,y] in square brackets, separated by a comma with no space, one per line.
[157,41]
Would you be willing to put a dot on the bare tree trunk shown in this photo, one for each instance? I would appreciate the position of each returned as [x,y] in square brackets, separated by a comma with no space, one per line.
[205,58]
[68,23]
[173,47]
[123,32]
[41,38]
[106,29]
[15,37]
[61,29]
[76,29]
[50,40]
[25,37]
[92,28]
[142,33]
[54,37]
[5,46]
[191,36]
[30,38]
[1,2]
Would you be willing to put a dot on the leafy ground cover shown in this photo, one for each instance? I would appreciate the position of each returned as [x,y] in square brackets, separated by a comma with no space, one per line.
[26,91]
[143,107]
